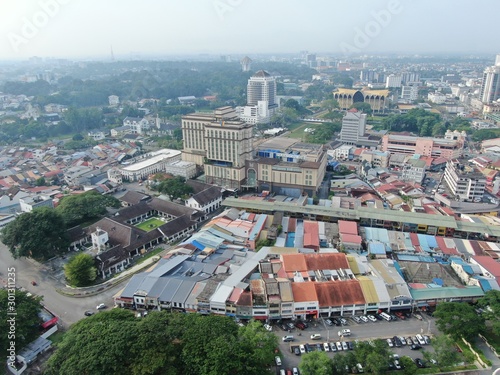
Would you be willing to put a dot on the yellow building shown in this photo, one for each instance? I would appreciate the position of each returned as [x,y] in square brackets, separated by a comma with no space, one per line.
[376,98]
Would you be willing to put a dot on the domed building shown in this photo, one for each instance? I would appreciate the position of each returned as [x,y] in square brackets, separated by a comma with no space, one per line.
[376,98]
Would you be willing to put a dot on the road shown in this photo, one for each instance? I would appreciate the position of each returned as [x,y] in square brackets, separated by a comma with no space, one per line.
[68,309]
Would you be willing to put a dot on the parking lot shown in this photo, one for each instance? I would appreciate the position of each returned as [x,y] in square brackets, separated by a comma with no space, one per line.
[362,331]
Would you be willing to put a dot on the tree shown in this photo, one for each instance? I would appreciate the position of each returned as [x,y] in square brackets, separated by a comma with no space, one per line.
[342,363]
[175,188]
[77,137]
[374,356]
[26,319]
[444,351]
[80,270]
[40,181]
[316,363]
[491,304]
[458,320]
[330,104]
[40,234]
[363,107]
[408,367]
[79,208]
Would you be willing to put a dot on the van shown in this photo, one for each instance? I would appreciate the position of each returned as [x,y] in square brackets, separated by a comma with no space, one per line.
[385,316]
[287,338]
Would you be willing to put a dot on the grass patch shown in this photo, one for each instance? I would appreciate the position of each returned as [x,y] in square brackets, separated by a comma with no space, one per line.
[149,255]
[57,337]
[299,133]
[150,224]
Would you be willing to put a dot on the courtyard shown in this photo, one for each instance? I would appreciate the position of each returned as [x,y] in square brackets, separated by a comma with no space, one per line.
[150,224]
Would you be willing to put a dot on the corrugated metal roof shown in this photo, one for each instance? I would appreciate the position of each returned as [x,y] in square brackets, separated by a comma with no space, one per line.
[446,292]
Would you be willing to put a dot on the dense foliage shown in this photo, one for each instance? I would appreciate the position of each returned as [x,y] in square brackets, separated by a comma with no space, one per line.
[80,270]
[175,188]
[40,234]
[458,320]
[491,304]
[116,342]
[27,320]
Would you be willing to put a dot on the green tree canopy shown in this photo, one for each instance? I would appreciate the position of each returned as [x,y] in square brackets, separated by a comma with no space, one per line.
[491,304]
[116,342]
[408,367]
[458,320]
[175,187]
[330,104]
[27,320]
[80,270]
[373,356]
[40,234]
[316,363]
[444,351]
[363,107]
[79,208]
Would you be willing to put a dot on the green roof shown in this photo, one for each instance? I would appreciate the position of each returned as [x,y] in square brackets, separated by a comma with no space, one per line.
[446,293]
[366,213]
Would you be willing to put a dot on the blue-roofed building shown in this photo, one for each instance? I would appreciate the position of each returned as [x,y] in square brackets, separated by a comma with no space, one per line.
[471,274]
[377,249]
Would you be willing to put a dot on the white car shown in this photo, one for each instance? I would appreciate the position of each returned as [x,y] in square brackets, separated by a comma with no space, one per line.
[333,347]
[101,306]
[295,371]
[364,318]
[278,360]
[326,346]
[390,343]
[339,345]
[302,349]
[403,340]
[315,336]
[268,327]
[344,346]
[372,318]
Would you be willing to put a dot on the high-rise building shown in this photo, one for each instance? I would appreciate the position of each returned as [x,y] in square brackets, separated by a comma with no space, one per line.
[219,142]
[246,64]
[490,88]
[464,181]
[409,93]
[261,99]
[393,80]
[353,127]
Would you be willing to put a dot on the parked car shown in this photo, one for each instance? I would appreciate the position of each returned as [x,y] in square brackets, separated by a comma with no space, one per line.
[296,351]
[101,306]
[268,327]
[284,327]
[409,341]
[403,340]
[287,338]
[363,318]
[372,318]
[420,339]
[427,339]
[326,347]
[300,325]
[336,322]
[333,347]
[302,349]
[315,336]
[397,341]
[290,325]
[356,319]
[360,368]
[344,346]
[88,313]
[277,359]
[339,345]
[350,344]
[415,347]
[419,363]
[400,315]
[390,343]
[329,322]
[295,371]
[343,321]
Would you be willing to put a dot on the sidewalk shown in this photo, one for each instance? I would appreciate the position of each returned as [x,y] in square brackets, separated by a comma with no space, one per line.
[125,275]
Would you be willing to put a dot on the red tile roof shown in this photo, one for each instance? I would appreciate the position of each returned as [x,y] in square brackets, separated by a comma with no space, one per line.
[348,227]
[337,293]
[304,292]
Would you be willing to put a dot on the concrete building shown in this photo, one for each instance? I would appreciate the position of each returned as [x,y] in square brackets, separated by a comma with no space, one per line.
[413,170]
[393,81]
[152,162]
[376,98]
[450,147]
[28,204]
[246,64]
[113,100]
[261,99]
[137,125]
[220,143]
[287,166]
[490,87]
[376,158]
[409,93]
[436,97]
[181,168]
[353,127]
[464,181]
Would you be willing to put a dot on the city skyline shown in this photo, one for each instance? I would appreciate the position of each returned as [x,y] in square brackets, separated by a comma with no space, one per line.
[91,29]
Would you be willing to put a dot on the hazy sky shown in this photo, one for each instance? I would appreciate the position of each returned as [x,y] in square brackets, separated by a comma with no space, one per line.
[88,28]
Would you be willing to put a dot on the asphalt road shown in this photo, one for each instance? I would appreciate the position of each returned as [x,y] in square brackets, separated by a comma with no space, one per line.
[68,309]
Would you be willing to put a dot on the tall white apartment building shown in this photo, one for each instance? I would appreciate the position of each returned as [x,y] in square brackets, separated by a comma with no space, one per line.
[409,93]
[261,99]
[353,127]
[393,80]
[490,87]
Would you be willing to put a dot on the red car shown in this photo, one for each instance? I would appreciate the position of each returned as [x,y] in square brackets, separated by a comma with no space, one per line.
[33,283]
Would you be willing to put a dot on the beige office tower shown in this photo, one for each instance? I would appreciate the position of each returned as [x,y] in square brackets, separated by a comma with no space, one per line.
[219,143]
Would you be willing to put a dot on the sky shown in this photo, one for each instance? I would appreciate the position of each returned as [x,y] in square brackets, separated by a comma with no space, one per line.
[149,28]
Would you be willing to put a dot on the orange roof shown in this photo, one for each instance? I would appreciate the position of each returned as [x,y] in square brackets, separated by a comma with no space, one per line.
[304,292]
[350,238]
[311,234]
[337,293]
[294,262]
[348,227]
[328,261]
